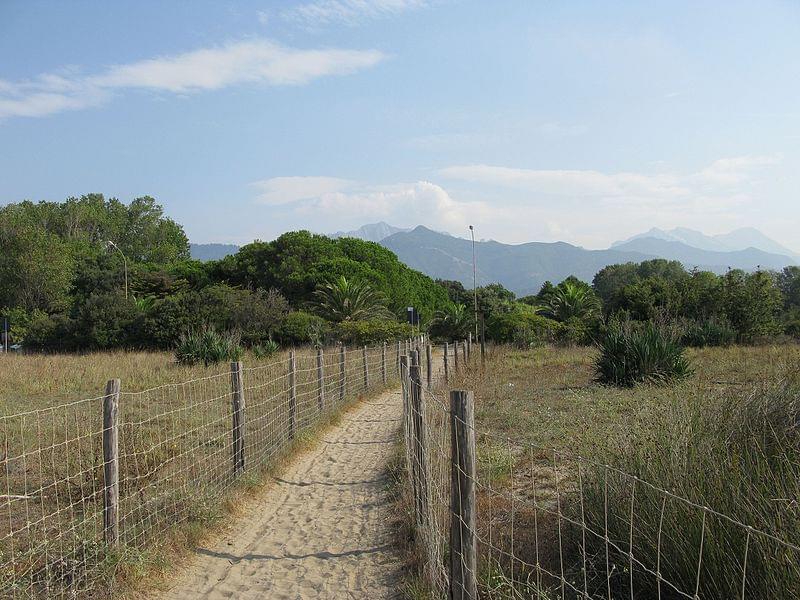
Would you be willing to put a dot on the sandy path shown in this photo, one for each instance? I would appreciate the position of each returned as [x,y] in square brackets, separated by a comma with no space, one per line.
[322,531]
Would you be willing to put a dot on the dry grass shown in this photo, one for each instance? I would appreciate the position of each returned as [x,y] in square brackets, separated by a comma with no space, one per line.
[176,476]
[533,405]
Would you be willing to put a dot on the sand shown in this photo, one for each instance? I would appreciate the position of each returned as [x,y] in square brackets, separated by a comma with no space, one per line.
[322,531]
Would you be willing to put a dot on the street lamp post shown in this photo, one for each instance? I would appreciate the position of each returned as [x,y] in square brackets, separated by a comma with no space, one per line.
[474,281]
[124,265]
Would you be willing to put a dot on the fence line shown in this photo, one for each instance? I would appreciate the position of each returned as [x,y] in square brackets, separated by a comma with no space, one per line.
[547,523]
[83,484]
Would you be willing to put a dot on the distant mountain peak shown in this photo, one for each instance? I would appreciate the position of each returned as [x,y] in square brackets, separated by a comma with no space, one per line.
[372,232]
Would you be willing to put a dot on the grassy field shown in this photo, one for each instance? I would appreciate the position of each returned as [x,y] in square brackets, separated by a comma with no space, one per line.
[726,438]
[175,456]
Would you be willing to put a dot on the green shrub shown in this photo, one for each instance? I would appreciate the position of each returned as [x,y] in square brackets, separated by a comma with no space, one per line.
[711,332]
[301,327]
[265,350]
[52,333]
[209,347]
[646,354]
[522,326]
[737,453]
[372,331]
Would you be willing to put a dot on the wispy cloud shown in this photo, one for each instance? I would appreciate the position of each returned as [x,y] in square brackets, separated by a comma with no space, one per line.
[257,61]
[723,179]
[350,12]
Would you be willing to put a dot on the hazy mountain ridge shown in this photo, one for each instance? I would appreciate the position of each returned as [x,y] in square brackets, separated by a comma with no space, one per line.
[523,268]
[212,251]
[739,239]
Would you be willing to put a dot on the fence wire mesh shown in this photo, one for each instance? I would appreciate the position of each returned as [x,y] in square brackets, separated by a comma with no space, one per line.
[175,460]
[553,524]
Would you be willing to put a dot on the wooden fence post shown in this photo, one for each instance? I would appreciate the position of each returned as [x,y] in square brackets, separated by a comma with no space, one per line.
[406,393]
[383,364]
[469,346]
[463,546]
[342,373]
[455,355]
[464,352]
[366,368]
[446,362]
[237,411]
[292,395]
[111,463]
[320,379]
[429,365]
[399,354]
[420,456]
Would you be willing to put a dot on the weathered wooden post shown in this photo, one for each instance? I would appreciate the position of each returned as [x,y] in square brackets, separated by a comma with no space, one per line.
[366,368]
[237,411]
[320,379]
[406,400]
[446,362]
[342,372]
[111,463]
[399,354]
[463,539]
[464,352]
[420,470]
[292,395]
[469,346]
[429,365]
[383,364]
[455,355]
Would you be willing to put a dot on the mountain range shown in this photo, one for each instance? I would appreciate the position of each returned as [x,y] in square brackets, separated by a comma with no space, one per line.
[523,268]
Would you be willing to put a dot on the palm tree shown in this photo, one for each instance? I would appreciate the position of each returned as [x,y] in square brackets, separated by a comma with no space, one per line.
[571,300]
[346,300]
[454,321]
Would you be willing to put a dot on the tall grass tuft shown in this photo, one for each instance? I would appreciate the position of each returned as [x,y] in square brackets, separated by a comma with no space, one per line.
[738,455]
[208,346]
[647,354]
[711,332]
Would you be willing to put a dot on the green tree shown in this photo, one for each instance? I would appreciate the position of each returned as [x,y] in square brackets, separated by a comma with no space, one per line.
[752,303]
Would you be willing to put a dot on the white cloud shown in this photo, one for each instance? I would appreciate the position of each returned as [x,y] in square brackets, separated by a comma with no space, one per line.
[351,12]
[330,203]
[236,63]
[285,190]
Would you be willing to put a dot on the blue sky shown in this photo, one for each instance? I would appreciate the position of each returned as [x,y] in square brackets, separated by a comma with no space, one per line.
[578,121]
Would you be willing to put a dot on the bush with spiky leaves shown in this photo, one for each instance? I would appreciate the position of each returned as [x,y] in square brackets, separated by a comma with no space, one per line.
[208,346]
[640,354]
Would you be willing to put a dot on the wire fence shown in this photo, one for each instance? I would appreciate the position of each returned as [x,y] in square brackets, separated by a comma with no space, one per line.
[72,507]
[521,521]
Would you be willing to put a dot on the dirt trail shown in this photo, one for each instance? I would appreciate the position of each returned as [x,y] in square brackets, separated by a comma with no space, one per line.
[322,531]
